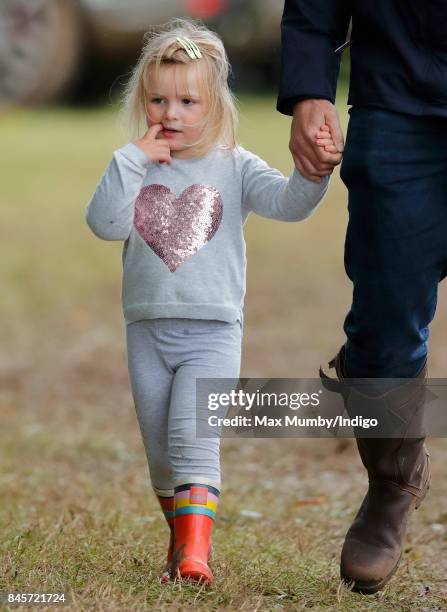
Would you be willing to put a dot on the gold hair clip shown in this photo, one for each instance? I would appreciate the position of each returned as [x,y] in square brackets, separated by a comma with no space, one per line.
[190,47]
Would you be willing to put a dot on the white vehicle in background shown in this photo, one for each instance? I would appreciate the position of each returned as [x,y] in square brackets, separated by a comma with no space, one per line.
[49,48]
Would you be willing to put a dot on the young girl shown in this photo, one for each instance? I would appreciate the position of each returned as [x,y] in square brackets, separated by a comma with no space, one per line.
[178,197]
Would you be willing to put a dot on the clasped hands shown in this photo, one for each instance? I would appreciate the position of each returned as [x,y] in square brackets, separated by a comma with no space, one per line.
[316,139]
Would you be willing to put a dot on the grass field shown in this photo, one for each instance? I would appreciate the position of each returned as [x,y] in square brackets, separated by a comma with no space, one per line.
[77,514]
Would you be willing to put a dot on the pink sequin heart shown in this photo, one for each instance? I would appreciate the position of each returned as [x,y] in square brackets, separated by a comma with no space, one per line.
[177,227]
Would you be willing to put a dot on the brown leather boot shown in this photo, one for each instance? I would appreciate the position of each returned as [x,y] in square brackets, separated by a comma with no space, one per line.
[399,476]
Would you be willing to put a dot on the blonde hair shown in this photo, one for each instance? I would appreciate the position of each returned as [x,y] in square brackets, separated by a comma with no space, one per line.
[161,47]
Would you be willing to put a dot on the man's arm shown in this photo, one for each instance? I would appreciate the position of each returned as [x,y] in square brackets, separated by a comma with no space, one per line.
[310,31]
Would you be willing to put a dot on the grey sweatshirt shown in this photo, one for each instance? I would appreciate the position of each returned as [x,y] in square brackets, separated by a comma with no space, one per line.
[182,227]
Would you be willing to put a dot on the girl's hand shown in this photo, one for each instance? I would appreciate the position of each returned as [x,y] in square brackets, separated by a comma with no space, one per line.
[325,140]
[157,150]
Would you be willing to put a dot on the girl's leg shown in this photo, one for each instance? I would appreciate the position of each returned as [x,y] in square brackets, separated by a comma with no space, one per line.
[151,380]
[209,349]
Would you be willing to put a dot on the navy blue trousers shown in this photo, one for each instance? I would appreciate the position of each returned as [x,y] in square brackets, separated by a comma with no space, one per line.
[395,168]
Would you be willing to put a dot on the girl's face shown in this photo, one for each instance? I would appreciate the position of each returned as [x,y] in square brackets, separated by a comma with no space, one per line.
[174,100]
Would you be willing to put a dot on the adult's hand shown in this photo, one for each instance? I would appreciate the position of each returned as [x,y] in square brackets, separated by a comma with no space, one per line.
[313,161]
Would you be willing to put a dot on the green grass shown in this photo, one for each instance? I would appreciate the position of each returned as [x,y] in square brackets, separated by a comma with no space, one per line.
[77,513]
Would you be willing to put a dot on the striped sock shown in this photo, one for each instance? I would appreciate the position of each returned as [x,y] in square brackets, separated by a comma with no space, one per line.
[196,498]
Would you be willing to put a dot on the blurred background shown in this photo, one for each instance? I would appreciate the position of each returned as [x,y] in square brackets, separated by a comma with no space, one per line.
[76,510]
[77,50]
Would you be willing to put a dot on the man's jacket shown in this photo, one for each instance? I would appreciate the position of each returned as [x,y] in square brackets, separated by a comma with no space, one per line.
[398,53]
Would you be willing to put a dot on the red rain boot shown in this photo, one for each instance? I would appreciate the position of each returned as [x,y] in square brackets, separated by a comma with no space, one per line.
[167,505]
[195,509]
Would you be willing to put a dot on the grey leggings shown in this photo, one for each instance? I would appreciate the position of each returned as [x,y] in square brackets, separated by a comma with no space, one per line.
[165,356]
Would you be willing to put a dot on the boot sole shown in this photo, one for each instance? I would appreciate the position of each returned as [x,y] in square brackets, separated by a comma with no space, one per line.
[196,577]
[166,575]
[368,588]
